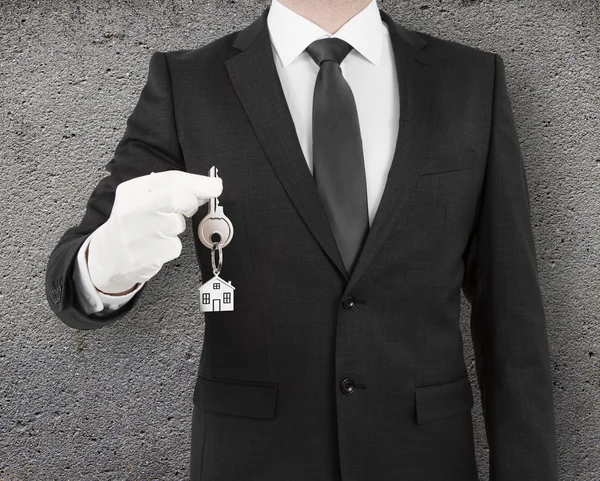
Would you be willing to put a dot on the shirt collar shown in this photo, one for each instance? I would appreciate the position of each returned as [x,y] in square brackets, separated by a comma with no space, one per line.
[291,33]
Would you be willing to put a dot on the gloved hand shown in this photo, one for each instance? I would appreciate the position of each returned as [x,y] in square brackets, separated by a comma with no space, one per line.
[141,232]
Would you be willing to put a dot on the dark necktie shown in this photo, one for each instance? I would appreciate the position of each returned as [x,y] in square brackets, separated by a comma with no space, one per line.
[338,163]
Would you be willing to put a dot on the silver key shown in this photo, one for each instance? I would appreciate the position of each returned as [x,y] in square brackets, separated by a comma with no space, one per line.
[215,222]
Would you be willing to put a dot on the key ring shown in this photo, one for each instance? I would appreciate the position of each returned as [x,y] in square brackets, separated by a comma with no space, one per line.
[216,269]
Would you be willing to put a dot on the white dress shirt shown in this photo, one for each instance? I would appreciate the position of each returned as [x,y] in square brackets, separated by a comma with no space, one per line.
[369,69]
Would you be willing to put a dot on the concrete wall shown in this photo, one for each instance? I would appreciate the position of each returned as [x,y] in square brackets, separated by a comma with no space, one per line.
[115,404]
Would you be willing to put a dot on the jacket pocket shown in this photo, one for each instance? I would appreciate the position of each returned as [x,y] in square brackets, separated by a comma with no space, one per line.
[452,162]
[252,399]
[438,401]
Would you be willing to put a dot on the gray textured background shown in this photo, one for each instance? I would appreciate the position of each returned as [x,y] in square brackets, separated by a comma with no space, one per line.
[115,403]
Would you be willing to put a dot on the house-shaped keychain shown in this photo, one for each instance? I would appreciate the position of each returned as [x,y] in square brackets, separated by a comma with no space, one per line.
[216,295]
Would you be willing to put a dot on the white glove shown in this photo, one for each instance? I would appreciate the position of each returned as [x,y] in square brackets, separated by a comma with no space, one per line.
[141,232]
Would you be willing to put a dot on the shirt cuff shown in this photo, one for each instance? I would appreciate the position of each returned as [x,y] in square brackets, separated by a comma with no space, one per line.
[91,299]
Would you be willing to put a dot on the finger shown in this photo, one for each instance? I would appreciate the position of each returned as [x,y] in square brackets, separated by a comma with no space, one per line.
[172,249]
[171,199]
[161,251]
[171,224]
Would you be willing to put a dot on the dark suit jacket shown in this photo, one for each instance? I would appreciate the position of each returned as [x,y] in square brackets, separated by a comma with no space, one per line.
[270,401]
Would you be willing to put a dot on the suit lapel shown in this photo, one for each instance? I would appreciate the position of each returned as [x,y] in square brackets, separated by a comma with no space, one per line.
[418,75]
[255,79]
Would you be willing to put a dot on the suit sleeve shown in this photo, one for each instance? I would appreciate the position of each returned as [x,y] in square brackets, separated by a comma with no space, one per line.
[508,326]
[149,144]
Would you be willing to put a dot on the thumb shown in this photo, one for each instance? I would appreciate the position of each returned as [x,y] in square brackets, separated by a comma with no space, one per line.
[202,186]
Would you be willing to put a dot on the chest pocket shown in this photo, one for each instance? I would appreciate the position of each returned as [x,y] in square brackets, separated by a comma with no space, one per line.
[451,162]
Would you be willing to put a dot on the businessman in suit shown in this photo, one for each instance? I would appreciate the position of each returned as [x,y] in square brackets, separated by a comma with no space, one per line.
[371,173]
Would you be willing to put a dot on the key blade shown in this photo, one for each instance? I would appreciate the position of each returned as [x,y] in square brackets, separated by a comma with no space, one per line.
[214,202]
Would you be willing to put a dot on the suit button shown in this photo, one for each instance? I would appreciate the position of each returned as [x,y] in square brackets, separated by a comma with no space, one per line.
[347,386]
[349,302]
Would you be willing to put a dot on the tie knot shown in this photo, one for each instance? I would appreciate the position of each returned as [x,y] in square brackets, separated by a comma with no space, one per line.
[331,48]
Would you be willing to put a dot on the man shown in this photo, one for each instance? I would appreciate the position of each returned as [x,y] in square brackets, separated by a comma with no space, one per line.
[370,173]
